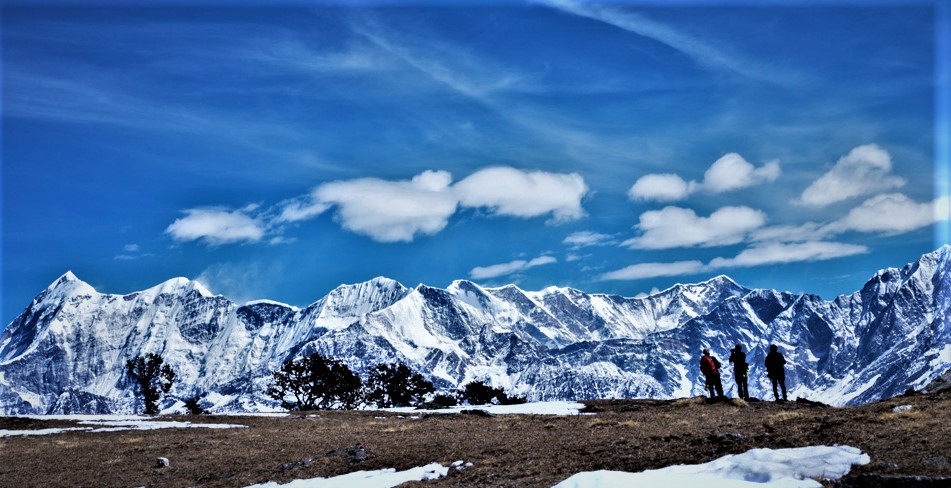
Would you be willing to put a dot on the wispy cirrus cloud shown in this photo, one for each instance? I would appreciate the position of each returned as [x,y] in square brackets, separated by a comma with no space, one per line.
[701,51]
[728,173]
[435,62]
[586,238]
[503,269]
[447,65]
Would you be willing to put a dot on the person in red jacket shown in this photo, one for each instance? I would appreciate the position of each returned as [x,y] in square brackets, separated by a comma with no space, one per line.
[710,368]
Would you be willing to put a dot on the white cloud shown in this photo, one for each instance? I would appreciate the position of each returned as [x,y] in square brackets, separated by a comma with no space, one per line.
[758,255]
[496,270]
[732,172]
[888,214]
[891,214]
[654,270]
[302,209]
[776,253]
[728,173]
[216,226]
[517,193]
[540,261]
[809,231]
[863,171]
[666,187]
[586,238]
[392,211]
[673,227]
[131,252]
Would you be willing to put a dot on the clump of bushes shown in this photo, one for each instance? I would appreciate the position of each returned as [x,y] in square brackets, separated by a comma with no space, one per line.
[315,382]
[479,393]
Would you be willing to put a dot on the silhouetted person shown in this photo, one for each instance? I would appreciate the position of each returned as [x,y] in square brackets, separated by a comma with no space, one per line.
[775,370]
[710,368]
[740,370]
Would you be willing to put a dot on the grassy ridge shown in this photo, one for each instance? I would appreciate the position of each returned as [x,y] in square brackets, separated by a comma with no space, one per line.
[509,450]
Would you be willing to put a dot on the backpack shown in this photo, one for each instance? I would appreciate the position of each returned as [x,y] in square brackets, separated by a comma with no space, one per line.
[709,365]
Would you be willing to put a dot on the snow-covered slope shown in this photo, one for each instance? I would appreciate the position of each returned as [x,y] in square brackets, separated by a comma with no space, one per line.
[65,353]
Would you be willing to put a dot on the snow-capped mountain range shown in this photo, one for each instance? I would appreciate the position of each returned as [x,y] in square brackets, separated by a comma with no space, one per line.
[66,352]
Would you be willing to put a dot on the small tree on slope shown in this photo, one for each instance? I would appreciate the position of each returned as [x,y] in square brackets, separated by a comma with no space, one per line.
[153,377]
[395,385]
[313,383]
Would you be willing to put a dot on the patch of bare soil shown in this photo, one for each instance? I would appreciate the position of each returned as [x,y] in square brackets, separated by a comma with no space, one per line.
[509,450]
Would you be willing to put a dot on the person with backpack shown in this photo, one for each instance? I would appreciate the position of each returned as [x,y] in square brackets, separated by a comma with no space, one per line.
[776,371]
[740,370]
[710,368]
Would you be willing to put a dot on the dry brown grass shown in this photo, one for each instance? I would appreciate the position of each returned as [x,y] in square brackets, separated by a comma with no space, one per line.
[784,416]
[526,450]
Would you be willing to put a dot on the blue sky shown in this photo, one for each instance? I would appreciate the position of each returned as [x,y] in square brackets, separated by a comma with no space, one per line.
[278,151]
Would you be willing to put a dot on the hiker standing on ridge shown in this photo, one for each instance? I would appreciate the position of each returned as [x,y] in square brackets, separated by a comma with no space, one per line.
[710,368]
[740,369]
[775,370]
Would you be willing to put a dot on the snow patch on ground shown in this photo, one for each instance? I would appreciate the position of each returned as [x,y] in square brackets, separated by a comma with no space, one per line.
[88,418]
[785,468]
[16,433]
[155,425]
[535,408]
[280,413]
[383,478]
[112,423]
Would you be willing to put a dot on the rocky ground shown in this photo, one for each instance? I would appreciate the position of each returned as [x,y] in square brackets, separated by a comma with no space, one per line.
[908,446]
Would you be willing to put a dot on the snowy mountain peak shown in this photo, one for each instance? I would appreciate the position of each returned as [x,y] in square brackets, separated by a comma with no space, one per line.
[178,286]
[68,284]
[66,350]
[67,276]
[380,283]
[465,286]
[722,281]
[384,282]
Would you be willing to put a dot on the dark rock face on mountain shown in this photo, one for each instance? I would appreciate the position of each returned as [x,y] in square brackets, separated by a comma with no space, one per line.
[66,351]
